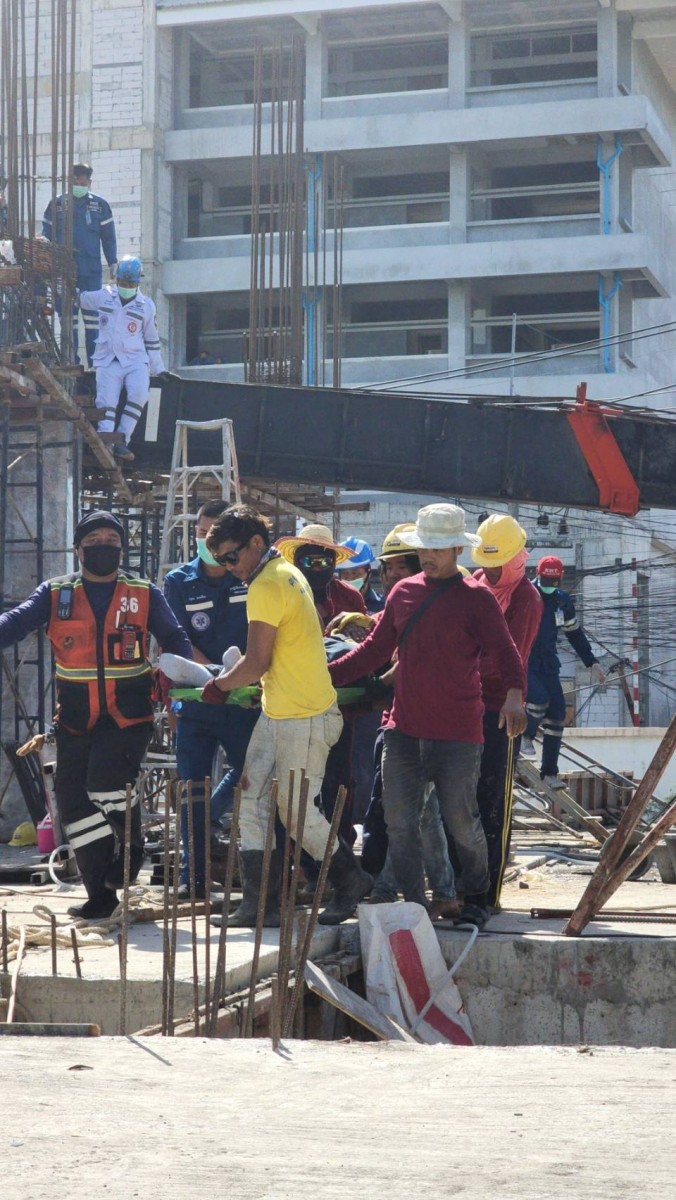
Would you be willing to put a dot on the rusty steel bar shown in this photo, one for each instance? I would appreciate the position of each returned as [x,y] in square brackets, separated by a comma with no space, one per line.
[219,979]
[302,957]
[174,909]
[76,952]
[207,893]
[609,873]
[286,941]
[52,931]
[15,975]
[260,914]
[4,941]
[166,946]
[124,932]
[193,911]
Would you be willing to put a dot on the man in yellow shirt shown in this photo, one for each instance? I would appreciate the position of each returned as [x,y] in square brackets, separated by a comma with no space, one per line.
[300,719]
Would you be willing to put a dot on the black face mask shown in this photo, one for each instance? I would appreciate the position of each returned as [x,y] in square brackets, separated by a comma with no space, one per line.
[319,580]
[101,560]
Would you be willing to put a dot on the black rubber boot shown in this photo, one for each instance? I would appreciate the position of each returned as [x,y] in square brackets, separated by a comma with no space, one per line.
[251,869]
[97,907]
[350,885]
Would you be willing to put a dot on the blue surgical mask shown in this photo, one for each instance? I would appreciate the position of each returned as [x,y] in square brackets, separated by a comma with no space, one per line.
[126,293]
[79,191]
[205,555]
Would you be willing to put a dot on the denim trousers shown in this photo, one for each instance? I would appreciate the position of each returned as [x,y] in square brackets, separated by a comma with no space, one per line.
[453,767]
[438,869]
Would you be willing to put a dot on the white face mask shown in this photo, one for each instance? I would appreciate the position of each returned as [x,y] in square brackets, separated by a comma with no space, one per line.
[357,584]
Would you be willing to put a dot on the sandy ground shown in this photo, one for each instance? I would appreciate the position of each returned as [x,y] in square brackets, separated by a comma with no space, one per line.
[123,1118]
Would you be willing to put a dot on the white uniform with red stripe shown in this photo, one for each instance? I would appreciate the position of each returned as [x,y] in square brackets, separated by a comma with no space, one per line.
[127,353]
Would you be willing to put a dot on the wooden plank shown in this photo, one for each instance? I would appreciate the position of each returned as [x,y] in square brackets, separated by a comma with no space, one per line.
[10,276]
[530,775]
[44,1029]
[610,871]
[20,383]
[44,377]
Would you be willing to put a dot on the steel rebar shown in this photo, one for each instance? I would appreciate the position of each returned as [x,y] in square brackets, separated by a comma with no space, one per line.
[288,910]
[52,930]
[76,953]
[207,895]
[219,978]
[193,911]
[124,932]
[174,910]
[166,947]
[260,914]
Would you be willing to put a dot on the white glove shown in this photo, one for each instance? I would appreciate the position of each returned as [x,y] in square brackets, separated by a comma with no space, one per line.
[113,270]
[599,676]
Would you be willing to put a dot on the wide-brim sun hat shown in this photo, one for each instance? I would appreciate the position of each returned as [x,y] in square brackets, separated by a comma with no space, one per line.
[313,535]
[501,540]
[439,527]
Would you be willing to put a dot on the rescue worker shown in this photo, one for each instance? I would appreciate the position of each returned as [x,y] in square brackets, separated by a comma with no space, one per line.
[93,232]
[127,350]
[99,621]
[545,702]
[210,605]
[501,559]
[440,623]
[357,573]
[300,719]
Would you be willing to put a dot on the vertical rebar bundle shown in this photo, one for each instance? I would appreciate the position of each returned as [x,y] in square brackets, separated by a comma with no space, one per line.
[30,307]
[290,289]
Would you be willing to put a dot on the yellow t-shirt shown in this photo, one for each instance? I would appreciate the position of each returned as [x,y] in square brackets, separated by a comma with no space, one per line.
[297,683]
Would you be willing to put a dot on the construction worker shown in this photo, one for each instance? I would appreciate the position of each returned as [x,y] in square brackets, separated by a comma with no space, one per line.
[210,605]
[300,719]
[545,703]
[501,558]
[127,350]
[317,557]
[440,623]
[99,621]
[398,562]
[93,232]
[357,573]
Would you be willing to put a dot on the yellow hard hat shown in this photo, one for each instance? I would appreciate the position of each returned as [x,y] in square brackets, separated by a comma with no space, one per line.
[394,545]
[24,835]
[501,539]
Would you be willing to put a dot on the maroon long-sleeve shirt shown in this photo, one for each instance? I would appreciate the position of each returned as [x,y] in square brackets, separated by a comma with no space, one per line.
[437,687]
[523,616]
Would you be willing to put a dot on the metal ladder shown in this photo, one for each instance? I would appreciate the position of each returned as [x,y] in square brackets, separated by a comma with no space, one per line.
[182,480]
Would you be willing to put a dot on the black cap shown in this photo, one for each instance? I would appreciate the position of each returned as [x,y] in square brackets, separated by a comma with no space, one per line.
[98,518]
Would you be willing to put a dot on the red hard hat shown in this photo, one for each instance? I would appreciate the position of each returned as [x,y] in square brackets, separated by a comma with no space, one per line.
[550,567]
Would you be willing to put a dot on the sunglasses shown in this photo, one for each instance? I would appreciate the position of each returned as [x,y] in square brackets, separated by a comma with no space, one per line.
[231,557]
[317,562]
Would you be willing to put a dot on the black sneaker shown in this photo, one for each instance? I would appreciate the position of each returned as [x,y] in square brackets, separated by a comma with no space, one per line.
[92,910]
[121,451]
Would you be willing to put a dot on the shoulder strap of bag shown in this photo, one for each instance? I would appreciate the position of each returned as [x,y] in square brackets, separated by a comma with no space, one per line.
[419,612]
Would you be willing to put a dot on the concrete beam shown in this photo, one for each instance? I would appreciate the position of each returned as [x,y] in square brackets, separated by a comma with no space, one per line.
[655,30]
[500,123]
[200,14]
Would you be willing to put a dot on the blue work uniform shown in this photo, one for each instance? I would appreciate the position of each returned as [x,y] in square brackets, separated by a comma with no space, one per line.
[93,231]
[212,611]
[545,702]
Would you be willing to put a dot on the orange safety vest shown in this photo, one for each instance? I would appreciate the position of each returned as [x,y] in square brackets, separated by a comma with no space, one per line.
[102,666]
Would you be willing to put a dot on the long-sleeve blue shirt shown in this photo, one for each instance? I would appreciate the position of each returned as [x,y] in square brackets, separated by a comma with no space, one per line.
[93,231]
[558,613]
[35,612]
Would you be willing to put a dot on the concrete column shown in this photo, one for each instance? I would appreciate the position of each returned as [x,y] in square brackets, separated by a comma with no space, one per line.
[457,324]
[458,61]
[315,74]
[181,75]
[458,187]
[607,51]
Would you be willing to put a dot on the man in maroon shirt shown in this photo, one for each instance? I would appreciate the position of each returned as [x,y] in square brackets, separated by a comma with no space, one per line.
[434,731]
[502,559]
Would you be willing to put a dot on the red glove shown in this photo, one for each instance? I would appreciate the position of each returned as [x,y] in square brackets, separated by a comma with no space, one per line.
[213,695]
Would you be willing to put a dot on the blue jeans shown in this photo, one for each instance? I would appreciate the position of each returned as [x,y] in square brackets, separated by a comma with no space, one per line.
[453,767]
[196,743]
[438,869]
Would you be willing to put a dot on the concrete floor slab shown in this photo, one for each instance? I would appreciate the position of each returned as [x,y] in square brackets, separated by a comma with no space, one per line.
[126,1118]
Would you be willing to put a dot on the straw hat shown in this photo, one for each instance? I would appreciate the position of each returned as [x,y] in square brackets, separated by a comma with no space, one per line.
[313,535]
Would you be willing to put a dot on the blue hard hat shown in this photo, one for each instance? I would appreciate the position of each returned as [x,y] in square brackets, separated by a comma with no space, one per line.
[363,555]
[129,270]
